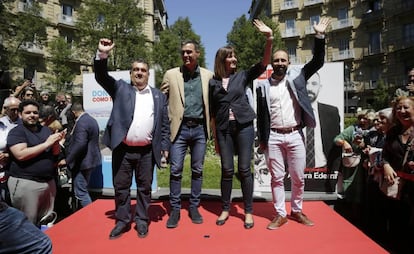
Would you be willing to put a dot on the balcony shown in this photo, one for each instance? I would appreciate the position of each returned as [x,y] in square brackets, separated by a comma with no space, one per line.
[294,60]
[307,3]
[309,30]
[343,55]
[28,8]
[160,19]
[289,5]
[66,20]
[32,47]
[372,51]
[290,33]
[342,24]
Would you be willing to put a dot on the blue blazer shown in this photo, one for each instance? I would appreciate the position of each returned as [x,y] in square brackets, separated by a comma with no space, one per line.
[123,98]
[296,78]
[84,152]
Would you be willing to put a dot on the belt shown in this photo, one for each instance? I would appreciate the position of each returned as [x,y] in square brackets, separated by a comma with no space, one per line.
[192,122]
[285,130]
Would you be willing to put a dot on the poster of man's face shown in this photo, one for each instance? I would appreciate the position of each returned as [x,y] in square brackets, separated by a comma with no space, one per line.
[313,86]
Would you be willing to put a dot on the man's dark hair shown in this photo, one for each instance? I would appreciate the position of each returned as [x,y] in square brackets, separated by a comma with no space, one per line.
[140,60]
[24,103]
[77,107]
[195,43]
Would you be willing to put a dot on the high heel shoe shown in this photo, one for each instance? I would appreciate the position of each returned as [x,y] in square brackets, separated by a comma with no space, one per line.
[248,225]
[221,222]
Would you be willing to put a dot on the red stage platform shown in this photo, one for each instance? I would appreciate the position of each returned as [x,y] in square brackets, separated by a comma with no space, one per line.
[87,231]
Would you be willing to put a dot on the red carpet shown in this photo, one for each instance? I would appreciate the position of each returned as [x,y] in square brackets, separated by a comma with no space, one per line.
[87,232]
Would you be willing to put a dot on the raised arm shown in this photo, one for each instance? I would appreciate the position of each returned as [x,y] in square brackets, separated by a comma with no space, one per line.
[320,28]
[267,31]
[105,45]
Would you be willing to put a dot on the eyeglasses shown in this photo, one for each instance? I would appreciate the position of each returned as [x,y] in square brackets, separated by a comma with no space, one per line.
[13,109]
[29,94]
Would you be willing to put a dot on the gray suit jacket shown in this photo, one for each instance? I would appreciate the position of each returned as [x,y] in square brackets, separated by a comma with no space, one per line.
[296,78]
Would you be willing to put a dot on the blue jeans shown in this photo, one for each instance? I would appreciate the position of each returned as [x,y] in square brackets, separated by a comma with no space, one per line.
[236,139]
[81,182]
[194,138]
[18,235]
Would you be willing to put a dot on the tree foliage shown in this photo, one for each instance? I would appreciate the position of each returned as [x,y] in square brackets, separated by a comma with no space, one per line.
[248,42]
[119,20]
[167,51]
[60,72]
[382,96]
[19,32]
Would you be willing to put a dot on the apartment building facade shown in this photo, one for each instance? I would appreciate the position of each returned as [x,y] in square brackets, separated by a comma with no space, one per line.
[373,38]
[61,16]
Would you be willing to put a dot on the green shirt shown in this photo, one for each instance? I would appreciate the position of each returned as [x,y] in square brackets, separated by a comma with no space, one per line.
[193,107]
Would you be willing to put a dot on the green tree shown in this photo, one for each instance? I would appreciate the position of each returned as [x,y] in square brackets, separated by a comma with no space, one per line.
[119,20]
[167,51]
[248,42]
[381,95]
[60,72]
[21,32]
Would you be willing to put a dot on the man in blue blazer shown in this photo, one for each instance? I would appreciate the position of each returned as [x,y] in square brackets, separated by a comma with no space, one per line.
[284,108]
[83,154]
[138,134]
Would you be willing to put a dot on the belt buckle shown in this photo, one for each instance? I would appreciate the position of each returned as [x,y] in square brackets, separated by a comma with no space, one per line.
[190,123]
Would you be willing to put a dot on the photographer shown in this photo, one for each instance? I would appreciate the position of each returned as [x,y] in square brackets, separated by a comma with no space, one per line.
[21,90]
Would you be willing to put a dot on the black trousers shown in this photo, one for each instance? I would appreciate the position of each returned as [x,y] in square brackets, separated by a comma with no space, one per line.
[127,162]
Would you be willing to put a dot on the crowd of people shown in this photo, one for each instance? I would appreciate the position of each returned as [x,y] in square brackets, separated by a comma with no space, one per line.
[193,104]
[39,135]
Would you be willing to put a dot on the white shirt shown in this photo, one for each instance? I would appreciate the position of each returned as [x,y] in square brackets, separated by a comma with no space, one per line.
[284,109]
[140,131]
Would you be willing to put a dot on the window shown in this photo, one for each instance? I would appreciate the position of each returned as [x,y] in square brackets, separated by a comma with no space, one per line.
[67,10]
[290,24]
[408,33]
[288,3]
[343,44]
[292,54]
[374,42]
[342,13]
[314,19]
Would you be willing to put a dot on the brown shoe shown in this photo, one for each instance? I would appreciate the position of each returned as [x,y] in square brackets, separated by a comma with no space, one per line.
[301,218]
[277,222]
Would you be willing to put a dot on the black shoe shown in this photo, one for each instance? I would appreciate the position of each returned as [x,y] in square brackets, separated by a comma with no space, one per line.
[248,225]
[195,216]
[142,230]
[174,218]
[117,231]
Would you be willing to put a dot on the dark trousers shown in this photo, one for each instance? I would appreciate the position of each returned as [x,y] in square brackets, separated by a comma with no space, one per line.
[127,161]
[236,139]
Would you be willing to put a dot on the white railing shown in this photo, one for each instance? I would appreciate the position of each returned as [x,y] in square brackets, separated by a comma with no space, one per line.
[290,33]
[287,5]
[312,2]
[342,23]
[343,54]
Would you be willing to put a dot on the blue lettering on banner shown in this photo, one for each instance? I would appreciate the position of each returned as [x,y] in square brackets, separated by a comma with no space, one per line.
[99,93]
